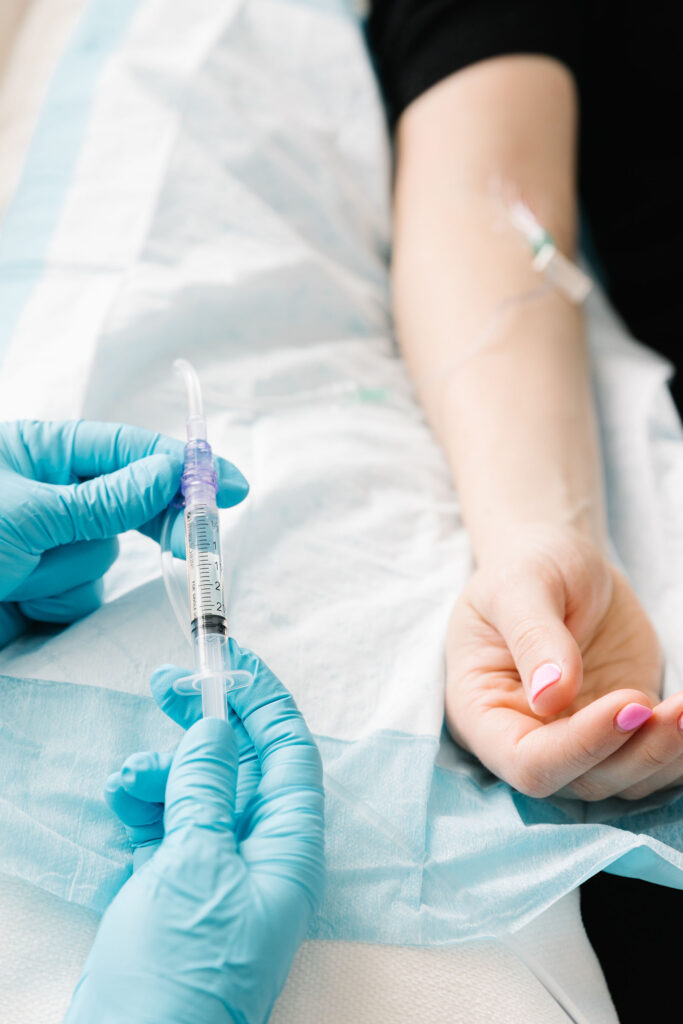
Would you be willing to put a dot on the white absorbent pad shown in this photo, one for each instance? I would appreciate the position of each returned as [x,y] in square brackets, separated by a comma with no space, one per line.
[213,183]
[42,954]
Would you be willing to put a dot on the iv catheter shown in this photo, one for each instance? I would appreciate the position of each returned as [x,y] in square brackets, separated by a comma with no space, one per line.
[208,613]
[548,260]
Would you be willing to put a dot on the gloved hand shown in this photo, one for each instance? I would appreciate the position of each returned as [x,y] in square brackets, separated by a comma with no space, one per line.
[206,930]
[66,490]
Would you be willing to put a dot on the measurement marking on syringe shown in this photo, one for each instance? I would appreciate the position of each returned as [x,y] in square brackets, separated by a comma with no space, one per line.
[206,589]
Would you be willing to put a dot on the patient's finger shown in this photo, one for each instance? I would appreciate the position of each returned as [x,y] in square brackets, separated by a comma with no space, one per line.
[666,778]
[651,760]
[529,614]
[539,759]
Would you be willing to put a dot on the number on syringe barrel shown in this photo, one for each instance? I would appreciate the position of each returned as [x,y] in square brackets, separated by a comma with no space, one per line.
[206,588]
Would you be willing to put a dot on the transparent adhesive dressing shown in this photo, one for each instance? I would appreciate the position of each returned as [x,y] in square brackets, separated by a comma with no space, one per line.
[559,271]
[207,612]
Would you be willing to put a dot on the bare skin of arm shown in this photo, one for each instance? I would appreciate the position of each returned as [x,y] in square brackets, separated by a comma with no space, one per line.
[501,366]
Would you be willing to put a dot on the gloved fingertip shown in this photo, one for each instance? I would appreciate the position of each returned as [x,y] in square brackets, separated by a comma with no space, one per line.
[113,784]
[201,782]
[138,765]
[162,682]
[212,731]
[166,668]
[140,761]
[233,487]
[184,710]
[243,657]
[163,674]
[213,735]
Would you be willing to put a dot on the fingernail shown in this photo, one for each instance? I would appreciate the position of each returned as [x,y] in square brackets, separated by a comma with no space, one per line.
[631,716]
[543,677]
[127,774]
[680,723]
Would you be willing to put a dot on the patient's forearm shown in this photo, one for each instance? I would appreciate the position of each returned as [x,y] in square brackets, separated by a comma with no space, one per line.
[508,395]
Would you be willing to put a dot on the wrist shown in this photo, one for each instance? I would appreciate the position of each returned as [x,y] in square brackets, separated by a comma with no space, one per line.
[501,543]
[519,429]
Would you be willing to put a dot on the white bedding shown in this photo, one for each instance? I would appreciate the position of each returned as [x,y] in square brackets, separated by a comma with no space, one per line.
[284,399]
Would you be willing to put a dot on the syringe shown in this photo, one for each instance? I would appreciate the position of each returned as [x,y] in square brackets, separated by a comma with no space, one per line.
[208,612]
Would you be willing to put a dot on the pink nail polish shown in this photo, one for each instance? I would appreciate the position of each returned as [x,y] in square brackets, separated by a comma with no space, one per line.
[544,676]
[631,716]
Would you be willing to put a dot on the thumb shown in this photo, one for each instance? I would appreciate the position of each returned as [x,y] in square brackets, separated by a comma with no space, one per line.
[115,502]
[529,614]
[203,777]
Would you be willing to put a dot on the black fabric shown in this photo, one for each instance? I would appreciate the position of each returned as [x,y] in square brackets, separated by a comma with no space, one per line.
[416,43]
[626,60]
[633,928]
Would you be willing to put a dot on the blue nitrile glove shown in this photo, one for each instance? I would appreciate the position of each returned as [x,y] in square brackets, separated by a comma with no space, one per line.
[66,490]
[206,930]
[136,792]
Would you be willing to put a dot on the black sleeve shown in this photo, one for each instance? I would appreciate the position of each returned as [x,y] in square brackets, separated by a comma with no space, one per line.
[417,43]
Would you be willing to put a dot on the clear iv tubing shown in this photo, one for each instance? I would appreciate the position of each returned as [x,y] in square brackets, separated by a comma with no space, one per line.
[560,275]
[208,625]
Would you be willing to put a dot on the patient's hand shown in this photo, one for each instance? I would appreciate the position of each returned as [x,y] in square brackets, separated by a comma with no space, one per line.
[557,622]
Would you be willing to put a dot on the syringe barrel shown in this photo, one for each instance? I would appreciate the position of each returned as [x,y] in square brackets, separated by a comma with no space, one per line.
[208,613]
[202,541]
[205,576]
[207,606]
[204,564]
[211,656]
